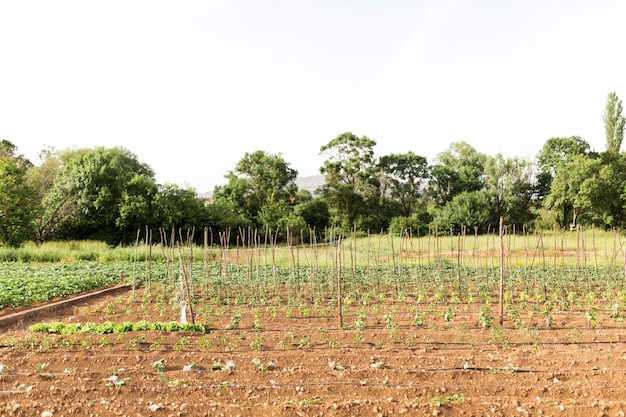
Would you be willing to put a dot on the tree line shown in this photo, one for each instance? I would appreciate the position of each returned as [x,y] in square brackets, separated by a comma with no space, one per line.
[107,194]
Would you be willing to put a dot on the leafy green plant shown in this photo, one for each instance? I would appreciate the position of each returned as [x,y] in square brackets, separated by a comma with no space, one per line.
[263,366]
[158,365]
[484,317]
[190,367]
[219,366]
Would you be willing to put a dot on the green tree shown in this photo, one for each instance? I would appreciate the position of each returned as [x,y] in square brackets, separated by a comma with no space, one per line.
[574,188]
[96,182]
[258,180]
[316,215]
[458,169]
[556,153]
[613,123]
[16,203]
[468,209]
[54,205]
[510,186]
[351,178]
[178,208]
[403,178]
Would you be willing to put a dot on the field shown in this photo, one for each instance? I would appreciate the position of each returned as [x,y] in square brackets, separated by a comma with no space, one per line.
[336,333]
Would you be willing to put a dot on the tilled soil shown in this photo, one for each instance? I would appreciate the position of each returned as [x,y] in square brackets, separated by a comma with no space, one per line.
[291,361]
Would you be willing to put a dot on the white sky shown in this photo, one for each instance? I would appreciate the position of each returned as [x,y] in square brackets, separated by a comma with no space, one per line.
[191,86]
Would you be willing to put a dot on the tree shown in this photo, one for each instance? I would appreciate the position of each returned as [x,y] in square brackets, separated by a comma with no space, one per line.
[556,153]
[351,177]
[9,149]
[55,205]
[573,188]
[613,123]
[178,208]
[95,181]
[456,170]
[468,209]
[258,180]
[403,178]
[510,186]
[16,203]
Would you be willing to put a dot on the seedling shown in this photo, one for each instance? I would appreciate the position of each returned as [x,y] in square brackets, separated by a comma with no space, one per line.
[455,398]
[336,366]
[158,365]
[174,382]
[263,366]
[115,381]
[40,367]
[378,365]
[219,366]
[190,367]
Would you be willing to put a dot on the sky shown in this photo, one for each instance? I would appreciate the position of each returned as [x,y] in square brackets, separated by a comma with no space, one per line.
[190,87]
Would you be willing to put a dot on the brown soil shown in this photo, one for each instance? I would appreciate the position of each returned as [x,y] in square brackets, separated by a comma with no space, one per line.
[445,366]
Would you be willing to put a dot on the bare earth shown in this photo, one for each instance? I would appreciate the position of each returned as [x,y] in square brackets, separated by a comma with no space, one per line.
[297,361]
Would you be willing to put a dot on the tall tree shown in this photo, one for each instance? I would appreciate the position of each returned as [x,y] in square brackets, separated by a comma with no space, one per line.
[458,169]
[403,178]
[351,181]
[573,190]
[97,180]
[510,186]
[16,203]
[613,123]
[259,180]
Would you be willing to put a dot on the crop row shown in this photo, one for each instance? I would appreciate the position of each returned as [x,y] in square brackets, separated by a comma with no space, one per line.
[121,327]
[26,284]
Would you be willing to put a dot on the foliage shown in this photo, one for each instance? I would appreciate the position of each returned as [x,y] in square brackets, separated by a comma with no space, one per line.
[259,179]
[404,177]
[468,209]
[456,170]
[16,203]
[351,180]
[111,327]
[614,123]
[96,182]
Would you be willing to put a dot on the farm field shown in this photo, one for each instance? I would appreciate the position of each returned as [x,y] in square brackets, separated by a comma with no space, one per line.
[366,333]
[389,358]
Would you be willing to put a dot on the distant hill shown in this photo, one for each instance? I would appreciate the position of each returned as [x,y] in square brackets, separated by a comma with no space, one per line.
[311,184]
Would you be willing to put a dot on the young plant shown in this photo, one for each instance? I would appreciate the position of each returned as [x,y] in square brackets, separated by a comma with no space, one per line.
[158,365]
[263,366]
[484,317]
[115,381]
